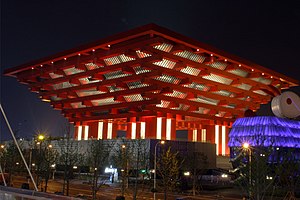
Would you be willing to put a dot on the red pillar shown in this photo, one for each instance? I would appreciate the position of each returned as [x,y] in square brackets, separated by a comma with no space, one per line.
[190,135]
[138,130]
[76,132]
[227,151]
[199,135]
[129,128]
[163,128]
[83,132]
[220,140]
[173,129]
[105,125]
[210,134]
[114,130]
[93,130]
[150,127]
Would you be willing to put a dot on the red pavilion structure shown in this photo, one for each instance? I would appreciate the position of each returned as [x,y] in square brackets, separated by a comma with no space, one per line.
[151,82]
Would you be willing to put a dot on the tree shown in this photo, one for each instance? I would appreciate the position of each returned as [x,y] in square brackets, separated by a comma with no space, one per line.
[140,160]
[168,166]
[255,173]
[196,163]
[131,157]
[253,164]
[11,159]
[50,157]
[44,156]
[287,172]
[69,157]
[122,158]
[97,158]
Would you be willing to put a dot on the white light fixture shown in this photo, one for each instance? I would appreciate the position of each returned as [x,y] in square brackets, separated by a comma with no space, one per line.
[186,173]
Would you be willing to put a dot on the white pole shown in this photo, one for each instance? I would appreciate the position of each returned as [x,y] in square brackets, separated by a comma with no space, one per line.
[3,178]
[14,138]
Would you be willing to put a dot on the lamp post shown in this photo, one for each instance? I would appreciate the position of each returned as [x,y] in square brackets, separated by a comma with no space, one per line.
[40,139]
[154,181]
[246,147]
[123,168]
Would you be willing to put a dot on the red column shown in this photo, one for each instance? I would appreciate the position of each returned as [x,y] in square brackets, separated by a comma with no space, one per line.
[83,132]
[173,129]
[210,134]
[129,128]
[114,130]
[163,128]
[199,135]
[76,132]
[93,130]
[220,140]
[105,125]
[138,130]
[150,127]
[190,135]
[227,151]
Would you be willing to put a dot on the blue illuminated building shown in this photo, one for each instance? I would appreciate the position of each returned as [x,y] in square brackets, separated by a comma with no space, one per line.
[278,134]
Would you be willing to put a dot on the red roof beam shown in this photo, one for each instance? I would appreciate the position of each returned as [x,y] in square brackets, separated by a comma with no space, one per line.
[222,73]
[107,95]
[109,106]
[204,93]
[113,116]
[104,83]
[194,103]
[200,80]
[191,114]
[96,57]
[102,70]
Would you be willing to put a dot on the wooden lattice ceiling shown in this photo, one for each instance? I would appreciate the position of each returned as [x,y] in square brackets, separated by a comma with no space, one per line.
[150,71]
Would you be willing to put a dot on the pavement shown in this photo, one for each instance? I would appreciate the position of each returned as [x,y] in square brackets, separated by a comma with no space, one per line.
[109,191]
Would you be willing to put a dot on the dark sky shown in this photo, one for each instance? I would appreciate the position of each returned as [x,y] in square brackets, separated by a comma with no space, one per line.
[265,32]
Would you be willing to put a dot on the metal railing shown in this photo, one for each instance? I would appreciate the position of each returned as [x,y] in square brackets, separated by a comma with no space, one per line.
[9,193]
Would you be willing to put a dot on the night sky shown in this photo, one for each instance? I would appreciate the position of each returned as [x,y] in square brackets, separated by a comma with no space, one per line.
[264,32]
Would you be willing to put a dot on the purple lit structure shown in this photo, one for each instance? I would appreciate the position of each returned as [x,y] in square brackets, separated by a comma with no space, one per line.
[265,131]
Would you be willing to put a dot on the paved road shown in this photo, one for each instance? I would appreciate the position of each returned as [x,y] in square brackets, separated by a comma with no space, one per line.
[110,192]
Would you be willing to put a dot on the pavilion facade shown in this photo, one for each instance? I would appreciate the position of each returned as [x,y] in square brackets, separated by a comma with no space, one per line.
[151,83]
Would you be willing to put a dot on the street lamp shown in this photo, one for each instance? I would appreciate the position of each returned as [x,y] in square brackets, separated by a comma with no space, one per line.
[246,147]
[154,181]
[41,137]
[123,146]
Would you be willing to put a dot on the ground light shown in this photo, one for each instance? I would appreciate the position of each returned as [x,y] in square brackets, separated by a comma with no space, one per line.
[224,175]
[187,173]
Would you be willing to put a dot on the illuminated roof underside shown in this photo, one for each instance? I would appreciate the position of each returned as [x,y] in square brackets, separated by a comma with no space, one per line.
[150,71]
[265,131]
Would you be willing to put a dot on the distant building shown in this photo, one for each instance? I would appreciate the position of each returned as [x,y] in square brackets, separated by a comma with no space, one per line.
[267,132]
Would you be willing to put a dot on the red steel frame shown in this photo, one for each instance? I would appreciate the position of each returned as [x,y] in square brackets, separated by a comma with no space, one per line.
[164,93]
